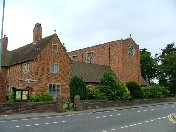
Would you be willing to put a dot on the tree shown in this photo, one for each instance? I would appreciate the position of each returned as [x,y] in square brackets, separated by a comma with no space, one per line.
[108,85]
[135,89]
[77,87]
[167,67]
[148,66]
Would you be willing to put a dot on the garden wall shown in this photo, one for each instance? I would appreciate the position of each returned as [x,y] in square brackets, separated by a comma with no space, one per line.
[95,104]
[27,107]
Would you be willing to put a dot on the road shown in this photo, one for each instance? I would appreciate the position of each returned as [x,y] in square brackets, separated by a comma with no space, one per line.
[135,119]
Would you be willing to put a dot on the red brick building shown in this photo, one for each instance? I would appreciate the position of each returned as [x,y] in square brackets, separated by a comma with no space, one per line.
[123,56]
[42,66]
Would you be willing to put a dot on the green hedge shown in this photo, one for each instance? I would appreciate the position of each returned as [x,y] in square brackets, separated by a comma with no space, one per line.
[41,98]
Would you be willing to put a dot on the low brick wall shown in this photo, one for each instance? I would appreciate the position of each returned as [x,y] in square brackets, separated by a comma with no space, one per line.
[95,104]
[27,107]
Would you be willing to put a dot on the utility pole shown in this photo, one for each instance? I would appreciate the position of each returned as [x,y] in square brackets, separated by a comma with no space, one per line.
[2,34]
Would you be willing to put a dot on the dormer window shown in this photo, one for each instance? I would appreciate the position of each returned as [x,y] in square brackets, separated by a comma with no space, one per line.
[74,57]
[89,57]
[26,67]
[55,47]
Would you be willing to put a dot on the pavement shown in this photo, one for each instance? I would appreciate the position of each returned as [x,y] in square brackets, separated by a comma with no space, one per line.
[45,114]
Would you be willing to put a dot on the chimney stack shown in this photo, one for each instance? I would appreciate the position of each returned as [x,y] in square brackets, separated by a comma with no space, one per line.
[4,43]
[37,33]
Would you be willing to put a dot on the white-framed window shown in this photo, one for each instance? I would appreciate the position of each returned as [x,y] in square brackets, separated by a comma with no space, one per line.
[8,71]
[54,68]
[54,89]
[26,67]
[55,47]
[89,57]
[7,90]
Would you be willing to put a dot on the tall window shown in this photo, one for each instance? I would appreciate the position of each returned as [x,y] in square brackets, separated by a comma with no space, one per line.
[54,68]
[7,90]
[8,72]
[89,57]
[54,90]
[55,47]
[26,67]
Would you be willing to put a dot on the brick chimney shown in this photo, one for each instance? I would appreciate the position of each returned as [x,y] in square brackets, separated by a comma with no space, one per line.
[4,43]
[37,33]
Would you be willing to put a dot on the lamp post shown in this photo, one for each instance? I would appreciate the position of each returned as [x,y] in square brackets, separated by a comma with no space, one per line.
[2,34]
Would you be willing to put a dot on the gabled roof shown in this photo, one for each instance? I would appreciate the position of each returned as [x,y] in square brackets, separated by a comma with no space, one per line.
[90,72]
[25,53]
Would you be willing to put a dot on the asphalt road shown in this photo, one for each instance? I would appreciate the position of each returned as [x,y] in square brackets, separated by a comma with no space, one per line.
[134,119]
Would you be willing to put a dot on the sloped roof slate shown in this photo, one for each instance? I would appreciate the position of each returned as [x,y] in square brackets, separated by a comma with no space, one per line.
[90,72]
[25,53]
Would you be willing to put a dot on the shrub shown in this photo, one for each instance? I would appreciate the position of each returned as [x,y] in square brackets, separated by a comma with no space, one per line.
[122,91]
[135,89]
[11,98]
[107,86]
[94,93]
[41,98]
[155,91]
[77,87]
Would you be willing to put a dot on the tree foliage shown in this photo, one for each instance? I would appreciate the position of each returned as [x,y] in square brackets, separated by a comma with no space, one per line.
[108,85]
[77,87]
[148,66]
[167,67]
[135,89]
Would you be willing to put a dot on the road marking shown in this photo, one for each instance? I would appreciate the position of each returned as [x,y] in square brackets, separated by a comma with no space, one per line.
[151,120]
[47,123]
[104,131]
[172,106]
[97,117]
[28,125]
[55,122]
[119,114]
[131,125]
[14,120]
[112,129]
[164,117]
[122,127]
[164,107]
[2,121]
[134,124]
[146,121]
[110,115]
[171,119]
[63,121]
[139,111]
[104,116]
[145,110]
[35,118]
[36,124]
[17,126]
[48,117]
[152,109]
[126,126]
[159,118]
[139,123]
[58,116]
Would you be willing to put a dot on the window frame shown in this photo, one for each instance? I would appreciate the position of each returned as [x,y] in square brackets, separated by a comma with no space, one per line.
[53,50]
[8,71]
[26,67]
[92,58]
[55,92]
[54,68]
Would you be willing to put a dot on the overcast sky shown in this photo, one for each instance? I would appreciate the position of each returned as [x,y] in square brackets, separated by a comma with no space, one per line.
[83,23]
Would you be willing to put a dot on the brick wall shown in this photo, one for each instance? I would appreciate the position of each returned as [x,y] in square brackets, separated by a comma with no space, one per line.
[27,107]
[95,104]
[2,89]
[115,54]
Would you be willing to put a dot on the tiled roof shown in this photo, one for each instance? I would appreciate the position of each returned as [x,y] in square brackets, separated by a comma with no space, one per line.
[90,72]
[25,53]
